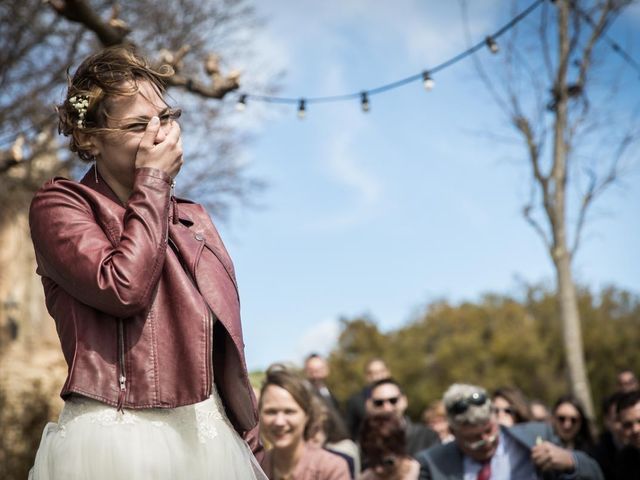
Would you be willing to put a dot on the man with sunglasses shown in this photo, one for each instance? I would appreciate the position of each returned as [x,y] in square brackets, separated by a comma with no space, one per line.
[627,459]
[386,396]
[484,450]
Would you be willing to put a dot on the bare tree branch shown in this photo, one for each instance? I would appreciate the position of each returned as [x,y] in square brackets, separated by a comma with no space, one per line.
[598,186]
[115,31]
[109,33]
[13,155]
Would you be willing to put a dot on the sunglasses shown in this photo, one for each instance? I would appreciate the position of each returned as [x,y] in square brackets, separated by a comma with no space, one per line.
[379,402]
[477,398]
[564,419]
[507,410]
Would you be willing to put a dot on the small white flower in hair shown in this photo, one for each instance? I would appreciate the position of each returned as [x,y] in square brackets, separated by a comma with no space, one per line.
[80,104]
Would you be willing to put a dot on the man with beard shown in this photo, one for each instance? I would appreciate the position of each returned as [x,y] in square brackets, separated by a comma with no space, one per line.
[483,450]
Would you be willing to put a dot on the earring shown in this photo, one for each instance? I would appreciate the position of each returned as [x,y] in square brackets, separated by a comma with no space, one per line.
[95,170]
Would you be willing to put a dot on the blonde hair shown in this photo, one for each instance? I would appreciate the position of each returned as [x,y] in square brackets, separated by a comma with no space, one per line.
[114,71]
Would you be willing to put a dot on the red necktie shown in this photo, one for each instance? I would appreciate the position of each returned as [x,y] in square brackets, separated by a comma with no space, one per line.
[485,472]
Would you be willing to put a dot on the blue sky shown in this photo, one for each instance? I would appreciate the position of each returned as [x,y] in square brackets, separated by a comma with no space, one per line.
[417,200]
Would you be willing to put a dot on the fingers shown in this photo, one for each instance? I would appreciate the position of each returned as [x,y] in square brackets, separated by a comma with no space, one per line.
[161,147]
[174,133]
[150,134]
[541,455]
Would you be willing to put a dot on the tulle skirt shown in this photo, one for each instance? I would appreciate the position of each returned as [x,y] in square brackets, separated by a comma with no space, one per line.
[93,441]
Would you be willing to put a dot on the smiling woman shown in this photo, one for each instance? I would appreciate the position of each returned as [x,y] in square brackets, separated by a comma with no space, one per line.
[288,418]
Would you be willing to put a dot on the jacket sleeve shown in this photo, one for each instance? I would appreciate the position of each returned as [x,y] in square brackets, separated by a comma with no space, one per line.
[252,437]
[115,275]
[586,468]
[423,460]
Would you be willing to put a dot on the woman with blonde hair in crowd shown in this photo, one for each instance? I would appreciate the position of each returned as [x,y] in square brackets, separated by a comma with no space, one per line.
[288,420]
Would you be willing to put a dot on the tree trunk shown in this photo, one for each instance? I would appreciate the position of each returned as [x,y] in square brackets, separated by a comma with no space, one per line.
[555,206]
[572,334]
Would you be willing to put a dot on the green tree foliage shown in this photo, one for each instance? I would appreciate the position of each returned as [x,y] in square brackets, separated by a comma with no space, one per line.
[499,340]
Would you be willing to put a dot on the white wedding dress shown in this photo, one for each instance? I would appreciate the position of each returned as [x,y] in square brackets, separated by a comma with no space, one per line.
[93,441]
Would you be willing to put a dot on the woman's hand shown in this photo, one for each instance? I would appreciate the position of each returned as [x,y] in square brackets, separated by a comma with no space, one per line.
[161,149]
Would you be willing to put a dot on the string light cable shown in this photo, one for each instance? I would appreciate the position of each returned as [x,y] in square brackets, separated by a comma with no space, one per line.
[615,46]
[426,76]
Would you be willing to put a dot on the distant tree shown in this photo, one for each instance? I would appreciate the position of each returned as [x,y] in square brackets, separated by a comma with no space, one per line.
[497,341]
[565,104]
[40,40]
[359,341]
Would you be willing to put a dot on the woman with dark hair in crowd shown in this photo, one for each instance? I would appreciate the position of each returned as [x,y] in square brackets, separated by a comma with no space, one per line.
[384,449]
[288,420]
[571,424]
[510,406]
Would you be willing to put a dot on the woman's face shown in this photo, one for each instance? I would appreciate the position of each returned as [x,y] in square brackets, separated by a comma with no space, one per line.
[504,411]
[282,420]
[116,151]
[567,421]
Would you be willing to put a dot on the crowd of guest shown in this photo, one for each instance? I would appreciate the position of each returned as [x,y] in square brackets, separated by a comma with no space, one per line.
[469,434]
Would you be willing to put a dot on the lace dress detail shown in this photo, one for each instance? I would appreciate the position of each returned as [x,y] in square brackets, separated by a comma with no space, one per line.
[94,440]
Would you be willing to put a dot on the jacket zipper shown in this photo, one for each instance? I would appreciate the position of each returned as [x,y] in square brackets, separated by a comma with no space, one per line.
[209,318]
[170,210]
[122,379]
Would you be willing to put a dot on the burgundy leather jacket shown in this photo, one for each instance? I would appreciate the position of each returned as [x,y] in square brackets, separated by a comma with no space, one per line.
[144,297]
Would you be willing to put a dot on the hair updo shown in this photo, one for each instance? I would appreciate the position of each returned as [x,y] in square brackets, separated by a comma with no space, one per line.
[114,71]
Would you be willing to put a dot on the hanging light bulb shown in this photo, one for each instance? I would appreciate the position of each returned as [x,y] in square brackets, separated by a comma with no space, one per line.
[427,81]
[302,111]
[242,103]
[364,101]
[491,44]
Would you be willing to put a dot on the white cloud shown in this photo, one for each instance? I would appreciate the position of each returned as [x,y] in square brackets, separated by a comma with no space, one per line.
[320,338]
[345,167]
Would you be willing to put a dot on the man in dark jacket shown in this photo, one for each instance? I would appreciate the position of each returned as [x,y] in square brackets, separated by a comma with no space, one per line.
[386,396]
[375,369]
[627,462]
[483,450]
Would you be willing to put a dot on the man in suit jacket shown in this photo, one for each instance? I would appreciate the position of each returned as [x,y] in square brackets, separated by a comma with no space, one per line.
[386,396]
[627,460]
[374,370]
[483,450]
[316,369]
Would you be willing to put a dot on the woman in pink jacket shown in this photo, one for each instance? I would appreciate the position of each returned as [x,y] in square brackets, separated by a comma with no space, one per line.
[288,418]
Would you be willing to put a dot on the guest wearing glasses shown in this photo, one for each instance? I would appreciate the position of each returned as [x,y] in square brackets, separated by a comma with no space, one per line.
[510,406]
[572,425]
[386,396]
[484,450]
[384,447]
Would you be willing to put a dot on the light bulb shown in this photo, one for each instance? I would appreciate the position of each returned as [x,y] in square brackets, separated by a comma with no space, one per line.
[302,111]
[364,101]
[492,45]
[427,81]
[242,103]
